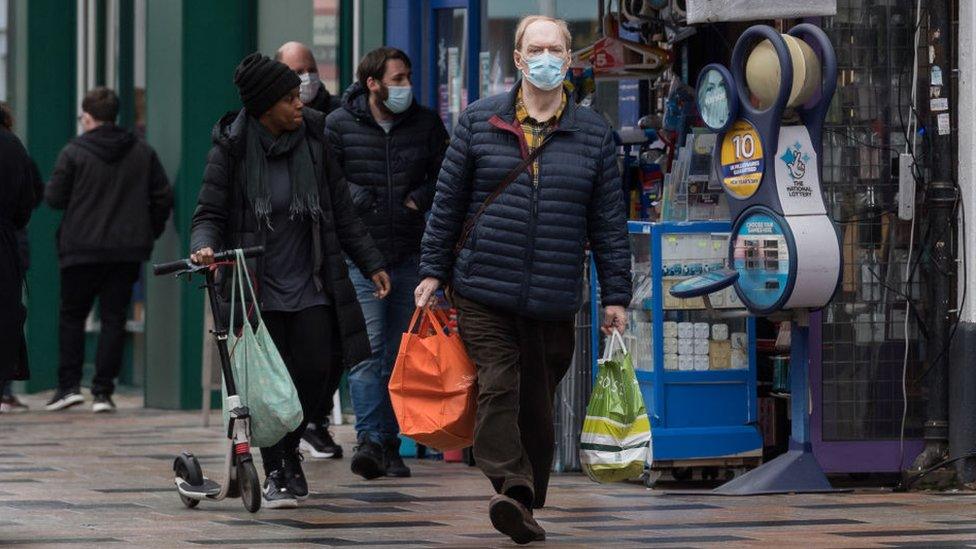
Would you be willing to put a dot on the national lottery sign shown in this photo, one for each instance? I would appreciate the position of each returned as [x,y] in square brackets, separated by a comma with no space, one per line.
[742,160]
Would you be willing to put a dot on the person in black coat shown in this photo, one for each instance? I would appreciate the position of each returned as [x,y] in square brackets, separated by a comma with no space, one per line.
[116,200]
[391,149]
[516,278]
[9,402]
[17,199]
[271,181]
[317,441]
[311,91]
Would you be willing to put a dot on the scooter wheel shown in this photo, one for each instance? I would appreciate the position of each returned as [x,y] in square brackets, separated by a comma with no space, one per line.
[250,486]
[187,468]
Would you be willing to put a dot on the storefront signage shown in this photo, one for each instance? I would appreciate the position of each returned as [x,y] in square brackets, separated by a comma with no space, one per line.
[797,174]
[742,160]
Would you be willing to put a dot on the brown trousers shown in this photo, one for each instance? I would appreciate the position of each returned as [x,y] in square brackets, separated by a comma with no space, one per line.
[520,362]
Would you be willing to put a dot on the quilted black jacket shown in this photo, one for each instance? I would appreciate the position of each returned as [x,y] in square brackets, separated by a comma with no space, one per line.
[384,169]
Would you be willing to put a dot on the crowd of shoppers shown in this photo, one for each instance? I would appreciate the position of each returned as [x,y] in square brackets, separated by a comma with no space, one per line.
[366,209]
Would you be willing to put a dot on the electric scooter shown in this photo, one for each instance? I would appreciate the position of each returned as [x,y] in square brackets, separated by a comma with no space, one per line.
[240,476]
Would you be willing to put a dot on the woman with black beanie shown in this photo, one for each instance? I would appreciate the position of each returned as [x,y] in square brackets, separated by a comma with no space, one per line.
[271,181]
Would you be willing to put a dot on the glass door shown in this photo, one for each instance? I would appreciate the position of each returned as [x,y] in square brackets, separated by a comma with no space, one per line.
[455,38]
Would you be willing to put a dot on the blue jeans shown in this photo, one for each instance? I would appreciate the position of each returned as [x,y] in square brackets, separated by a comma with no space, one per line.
[386,321]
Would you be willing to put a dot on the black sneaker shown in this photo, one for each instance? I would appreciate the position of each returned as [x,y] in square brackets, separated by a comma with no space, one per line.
[103,404]
[368,461]
[276,494]
[395,467]
[297,484]
[515,520]
[317,442]
[64,398]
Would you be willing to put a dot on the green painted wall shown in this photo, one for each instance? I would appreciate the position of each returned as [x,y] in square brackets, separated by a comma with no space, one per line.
[190,70]
[281,21]
[372,26]
[46,46]
[164,102]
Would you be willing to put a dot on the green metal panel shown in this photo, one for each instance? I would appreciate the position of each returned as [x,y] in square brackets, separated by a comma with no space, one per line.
[204,68]
[346,63]
[164,130]
[49,119]
[281,21]
[373,25]
[126,67]
[100,27]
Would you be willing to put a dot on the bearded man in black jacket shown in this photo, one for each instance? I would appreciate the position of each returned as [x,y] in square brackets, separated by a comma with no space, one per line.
[391,149]
[116,199]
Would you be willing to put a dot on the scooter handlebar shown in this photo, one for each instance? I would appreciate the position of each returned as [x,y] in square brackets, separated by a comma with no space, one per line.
[187,265]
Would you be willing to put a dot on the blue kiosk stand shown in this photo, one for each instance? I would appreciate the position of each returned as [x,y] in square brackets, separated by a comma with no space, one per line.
[784,251]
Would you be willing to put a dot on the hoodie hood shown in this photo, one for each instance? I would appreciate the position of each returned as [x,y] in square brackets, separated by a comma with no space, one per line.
[108,142]
[228,132]
[356,101]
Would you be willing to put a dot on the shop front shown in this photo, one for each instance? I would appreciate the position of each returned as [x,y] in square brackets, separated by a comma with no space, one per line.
[721,406]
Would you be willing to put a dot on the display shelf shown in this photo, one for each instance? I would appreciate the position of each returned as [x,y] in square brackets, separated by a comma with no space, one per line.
[696,366]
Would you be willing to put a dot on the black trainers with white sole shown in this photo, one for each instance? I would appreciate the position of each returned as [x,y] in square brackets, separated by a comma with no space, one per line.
[103,404]
[318,443]
[64,398]
[276,494]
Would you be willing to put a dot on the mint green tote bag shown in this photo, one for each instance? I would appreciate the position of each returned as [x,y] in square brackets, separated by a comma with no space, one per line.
[263,381]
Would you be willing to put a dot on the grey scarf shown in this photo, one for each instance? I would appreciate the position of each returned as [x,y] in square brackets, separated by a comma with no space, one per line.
[261,146]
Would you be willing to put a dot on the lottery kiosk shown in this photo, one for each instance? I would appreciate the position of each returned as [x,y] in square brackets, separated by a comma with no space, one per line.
[783,252]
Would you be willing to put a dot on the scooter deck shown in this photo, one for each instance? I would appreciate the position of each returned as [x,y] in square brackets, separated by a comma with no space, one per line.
[208,489]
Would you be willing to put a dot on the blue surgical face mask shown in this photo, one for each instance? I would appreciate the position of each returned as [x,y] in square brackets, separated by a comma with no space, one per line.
[545,71]
[398,98]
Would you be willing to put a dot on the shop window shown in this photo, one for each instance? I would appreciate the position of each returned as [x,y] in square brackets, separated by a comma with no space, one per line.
[314,23]
[500,20]
[325,42]
[452,69]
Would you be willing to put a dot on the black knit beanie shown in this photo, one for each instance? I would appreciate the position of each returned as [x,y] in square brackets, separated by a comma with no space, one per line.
[262,81]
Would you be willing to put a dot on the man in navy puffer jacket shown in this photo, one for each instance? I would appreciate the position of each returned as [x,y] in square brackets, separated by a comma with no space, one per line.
[516,280]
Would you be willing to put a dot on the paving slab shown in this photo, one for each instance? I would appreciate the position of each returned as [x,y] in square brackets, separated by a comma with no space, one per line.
[75,479]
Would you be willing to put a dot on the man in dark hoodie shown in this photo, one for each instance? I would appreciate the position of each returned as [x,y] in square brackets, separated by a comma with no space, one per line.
[116,199]
[391,150]
[311,91]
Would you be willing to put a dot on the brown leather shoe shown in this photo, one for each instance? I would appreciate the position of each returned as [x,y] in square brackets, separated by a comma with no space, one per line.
[511,518]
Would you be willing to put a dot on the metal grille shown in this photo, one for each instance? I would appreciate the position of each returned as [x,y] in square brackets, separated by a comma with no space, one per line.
[863,327]
[574,390]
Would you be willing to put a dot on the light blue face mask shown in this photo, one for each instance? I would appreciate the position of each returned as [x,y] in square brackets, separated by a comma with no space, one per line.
[398,98]
[545,71]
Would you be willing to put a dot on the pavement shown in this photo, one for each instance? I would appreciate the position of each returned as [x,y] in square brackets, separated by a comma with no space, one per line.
[78,480]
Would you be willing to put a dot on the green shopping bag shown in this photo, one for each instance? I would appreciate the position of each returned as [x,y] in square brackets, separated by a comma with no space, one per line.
[615,442]
[263,381]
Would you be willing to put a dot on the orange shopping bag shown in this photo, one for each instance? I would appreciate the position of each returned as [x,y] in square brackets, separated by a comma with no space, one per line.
[434,387]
